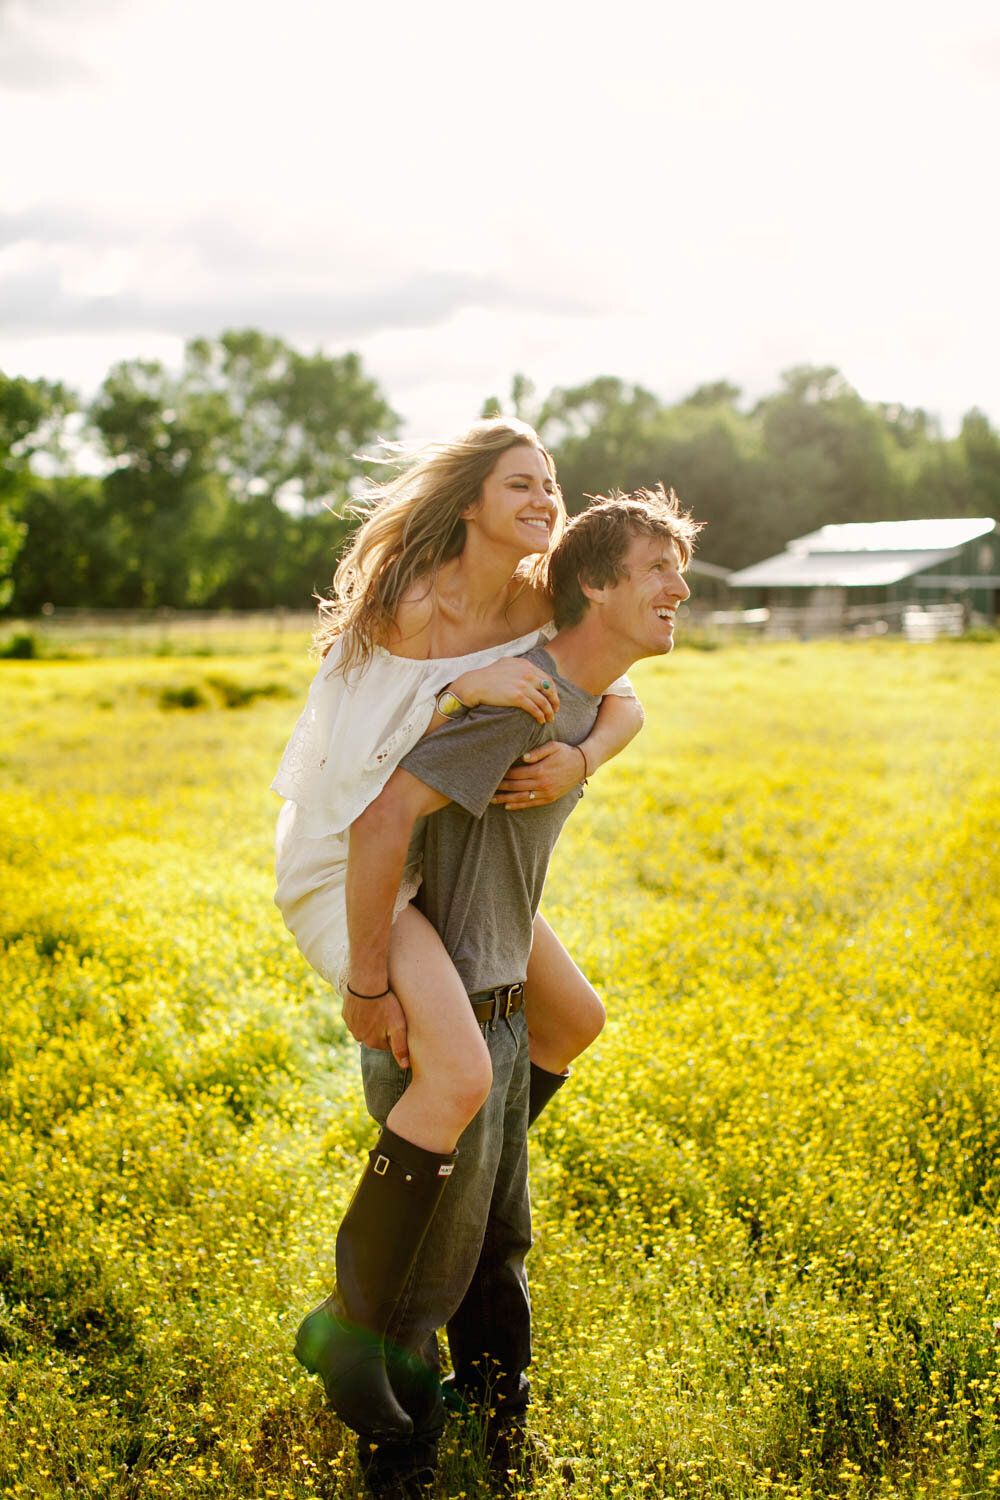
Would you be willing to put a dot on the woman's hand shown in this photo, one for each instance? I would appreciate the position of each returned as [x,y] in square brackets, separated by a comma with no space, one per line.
[511,682]
[377,1023]
[551,771]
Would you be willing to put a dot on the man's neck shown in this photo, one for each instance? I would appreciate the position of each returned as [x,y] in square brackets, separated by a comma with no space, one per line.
[586,656]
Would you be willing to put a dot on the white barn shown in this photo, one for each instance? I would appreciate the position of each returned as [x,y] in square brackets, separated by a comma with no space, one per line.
[881,574]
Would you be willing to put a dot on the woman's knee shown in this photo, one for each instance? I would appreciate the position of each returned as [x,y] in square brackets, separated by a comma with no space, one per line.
[460,1085]
[469,1086]
[562,1027]
[594,1016]
[586,1019]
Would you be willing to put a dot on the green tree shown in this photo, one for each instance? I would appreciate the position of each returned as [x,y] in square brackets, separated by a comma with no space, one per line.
[715,393]
[293,422]
[908,426]
[225,475]
[829,458]
[601,434]
[979,443]
[70,554]
[522,395]
[287,446]
[164,498]
[609,435]
[31,417]
[713,457]
[522,402]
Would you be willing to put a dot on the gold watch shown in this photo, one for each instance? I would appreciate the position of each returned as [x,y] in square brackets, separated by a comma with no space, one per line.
[450,705]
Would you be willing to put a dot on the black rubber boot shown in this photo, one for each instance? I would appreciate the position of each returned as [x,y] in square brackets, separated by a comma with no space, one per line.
[416,1384]
[404,1468]
[514,1456]
[377,1243]
[398,1468]
[542,1087]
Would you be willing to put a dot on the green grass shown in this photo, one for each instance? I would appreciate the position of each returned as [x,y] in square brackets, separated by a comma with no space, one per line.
[77,635]
[767,1254]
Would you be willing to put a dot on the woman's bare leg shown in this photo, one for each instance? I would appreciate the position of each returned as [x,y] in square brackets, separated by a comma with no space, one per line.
[452,1073]
[565,1012]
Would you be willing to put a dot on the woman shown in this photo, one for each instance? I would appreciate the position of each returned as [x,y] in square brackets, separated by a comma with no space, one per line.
[431,596]
[442,586]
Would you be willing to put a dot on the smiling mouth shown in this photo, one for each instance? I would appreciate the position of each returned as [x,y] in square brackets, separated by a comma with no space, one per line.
[537,523]
[666,612]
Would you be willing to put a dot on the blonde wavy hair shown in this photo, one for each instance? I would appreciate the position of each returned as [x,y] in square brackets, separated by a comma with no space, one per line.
[411,524]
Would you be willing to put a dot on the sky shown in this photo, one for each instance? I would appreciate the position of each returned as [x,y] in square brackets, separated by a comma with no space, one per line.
[668,193]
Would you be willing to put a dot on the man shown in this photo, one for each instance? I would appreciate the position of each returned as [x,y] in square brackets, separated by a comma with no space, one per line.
[412,1257]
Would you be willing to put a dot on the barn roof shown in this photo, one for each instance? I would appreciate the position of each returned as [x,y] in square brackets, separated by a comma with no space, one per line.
[894,536]
[863,554]
[710,570]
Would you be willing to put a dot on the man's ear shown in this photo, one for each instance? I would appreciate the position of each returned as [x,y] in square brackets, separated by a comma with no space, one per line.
[594,595]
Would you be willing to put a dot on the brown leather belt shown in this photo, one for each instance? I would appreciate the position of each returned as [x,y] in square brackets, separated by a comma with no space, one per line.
[495,1005]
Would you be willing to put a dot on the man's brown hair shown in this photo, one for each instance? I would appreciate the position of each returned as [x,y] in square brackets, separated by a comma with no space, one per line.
[593,547]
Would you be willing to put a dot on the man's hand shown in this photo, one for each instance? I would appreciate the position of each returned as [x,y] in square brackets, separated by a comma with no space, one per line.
[378,1023]
[551,770]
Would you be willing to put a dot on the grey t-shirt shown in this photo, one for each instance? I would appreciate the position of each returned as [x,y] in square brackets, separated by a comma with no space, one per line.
[484,867]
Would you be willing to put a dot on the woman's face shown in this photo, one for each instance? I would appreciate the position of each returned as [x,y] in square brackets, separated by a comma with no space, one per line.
[518,503]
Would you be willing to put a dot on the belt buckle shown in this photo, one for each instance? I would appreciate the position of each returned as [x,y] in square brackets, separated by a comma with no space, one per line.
[513,993]
[503,996]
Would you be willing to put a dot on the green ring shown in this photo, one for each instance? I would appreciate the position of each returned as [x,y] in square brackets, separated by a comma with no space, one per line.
[546,686]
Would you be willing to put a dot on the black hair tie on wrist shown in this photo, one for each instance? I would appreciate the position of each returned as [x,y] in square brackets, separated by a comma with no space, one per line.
[379,996]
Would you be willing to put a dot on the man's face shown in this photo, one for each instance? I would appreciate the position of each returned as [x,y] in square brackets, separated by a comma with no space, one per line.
[641,606]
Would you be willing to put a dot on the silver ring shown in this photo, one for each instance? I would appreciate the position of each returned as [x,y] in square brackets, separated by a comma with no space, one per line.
[531,796]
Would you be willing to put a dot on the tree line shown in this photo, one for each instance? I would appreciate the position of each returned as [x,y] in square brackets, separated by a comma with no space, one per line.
[229,484]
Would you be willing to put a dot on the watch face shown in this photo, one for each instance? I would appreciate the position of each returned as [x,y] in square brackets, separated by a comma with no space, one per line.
[450,706]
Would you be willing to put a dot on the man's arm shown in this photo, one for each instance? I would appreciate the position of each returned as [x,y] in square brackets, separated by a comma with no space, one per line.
[617,724]
[379,841]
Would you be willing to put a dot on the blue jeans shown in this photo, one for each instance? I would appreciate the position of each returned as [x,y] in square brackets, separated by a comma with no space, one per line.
[470,1273]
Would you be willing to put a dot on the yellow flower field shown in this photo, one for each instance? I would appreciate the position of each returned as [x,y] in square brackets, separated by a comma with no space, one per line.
[767,1256]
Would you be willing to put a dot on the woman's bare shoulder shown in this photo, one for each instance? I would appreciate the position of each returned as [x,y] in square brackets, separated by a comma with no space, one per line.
[409,634]
[531,608]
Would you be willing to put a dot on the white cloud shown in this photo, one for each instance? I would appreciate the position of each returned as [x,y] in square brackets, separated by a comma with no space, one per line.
[29,68]
[35,54]
[463,193]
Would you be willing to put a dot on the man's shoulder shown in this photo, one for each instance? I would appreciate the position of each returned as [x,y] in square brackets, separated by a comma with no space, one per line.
[574,700]
[466,758]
